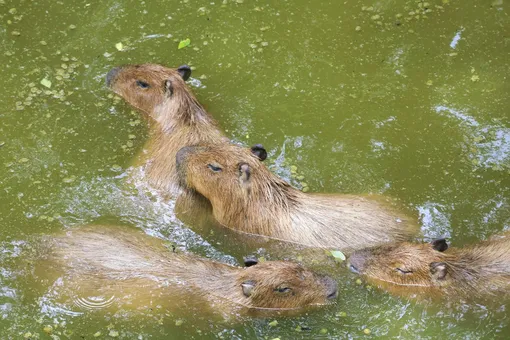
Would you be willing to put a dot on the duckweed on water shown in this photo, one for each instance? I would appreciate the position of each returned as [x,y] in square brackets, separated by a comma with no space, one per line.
[273,323]
[378,62]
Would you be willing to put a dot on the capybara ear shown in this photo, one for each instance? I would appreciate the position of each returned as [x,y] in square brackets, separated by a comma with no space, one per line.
[169,88]
[250,260]
[259,151]
[248,287]
[244,173]
[439,244]
[438,270]
[184,71]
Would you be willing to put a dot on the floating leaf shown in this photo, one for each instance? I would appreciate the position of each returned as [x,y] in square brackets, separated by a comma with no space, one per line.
[338,255]
[46,82]
[273,323]
[184,43]
[113,333]
[119,46]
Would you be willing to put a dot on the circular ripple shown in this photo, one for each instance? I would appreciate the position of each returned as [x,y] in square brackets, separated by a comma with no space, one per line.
[86,298]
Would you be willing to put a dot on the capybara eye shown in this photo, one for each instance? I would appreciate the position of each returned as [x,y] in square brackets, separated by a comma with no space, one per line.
[283,289]
[403,271]
[214,168]
[142,84]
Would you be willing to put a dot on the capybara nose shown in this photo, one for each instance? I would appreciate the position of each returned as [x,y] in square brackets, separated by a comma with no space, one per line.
[356,262]
[331,288]
[110,76]
[182,154]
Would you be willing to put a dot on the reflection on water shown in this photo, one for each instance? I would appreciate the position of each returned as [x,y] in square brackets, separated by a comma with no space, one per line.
[488,145]
[435,223]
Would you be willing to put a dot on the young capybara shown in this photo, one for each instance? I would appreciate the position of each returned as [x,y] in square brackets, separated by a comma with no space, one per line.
[125,262]
[434,270]
[177,117]
[247,197]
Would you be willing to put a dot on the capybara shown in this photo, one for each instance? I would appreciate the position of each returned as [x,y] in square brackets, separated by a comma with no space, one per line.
[429,269]
[177,118]
[247,197]
[120,257]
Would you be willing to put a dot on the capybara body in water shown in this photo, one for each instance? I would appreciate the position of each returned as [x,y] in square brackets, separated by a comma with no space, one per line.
[110,257]
[177,117]
[434,270]
[247,197]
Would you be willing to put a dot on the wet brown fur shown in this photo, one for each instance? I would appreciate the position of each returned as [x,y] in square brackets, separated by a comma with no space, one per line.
[128,257]
[177,118]
[267,205]
[472,271]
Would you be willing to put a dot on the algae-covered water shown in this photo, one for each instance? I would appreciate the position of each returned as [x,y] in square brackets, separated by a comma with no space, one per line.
[405,98]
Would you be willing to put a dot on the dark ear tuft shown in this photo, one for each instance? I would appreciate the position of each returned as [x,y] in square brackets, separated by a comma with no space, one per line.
[184,71]
[259,151]
[169,87]
[250,260]
[439,244]
[438,270]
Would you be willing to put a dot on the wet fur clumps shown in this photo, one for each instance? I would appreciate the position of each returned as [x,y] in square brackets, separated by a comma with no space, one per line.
[176,117]
[474,271]
[247,197]
[121,255]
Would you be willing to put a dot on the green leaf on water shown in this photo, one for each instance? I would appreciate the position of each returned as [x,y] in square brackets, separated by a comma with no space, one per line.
[184,43]
[119,46]
[338,255]
[273,323]
[46,82]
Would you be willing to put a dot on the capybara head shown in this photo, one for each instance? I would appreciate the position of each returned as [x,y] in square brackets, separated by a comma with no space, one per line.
[282,285]
[225,170]
[403,264]
[148,86]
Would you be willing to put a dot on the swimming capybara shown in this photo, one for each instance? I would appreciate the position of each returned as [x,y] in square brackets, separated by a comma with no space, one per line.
[247,197]
[430,270]
[110,258]
[177,118]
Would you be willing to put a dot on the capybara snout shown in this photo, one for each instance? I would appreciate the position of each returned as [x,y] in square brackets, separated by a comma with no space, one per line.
[331,287]
[182,154]
[110,76]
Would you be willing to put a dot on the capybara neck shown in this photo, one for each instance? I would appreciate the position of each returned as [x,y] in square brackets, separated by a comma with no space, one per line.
[247,197]
[177,118]
[173,130]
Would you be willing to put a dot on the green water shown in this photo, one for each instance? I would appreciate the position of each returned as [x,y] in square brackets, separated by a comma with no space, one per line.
[405,98]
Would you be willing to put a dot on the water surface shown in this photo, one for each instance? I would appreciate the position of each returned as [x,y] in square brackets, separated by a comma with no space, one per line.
[405,98]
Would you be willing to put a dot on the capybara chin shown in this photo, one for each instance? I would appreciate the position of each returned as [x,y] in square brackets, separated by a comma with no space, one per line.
[177,117]
[247,197]
[124,257]
[430,269]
